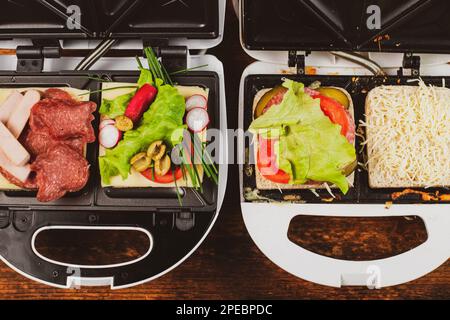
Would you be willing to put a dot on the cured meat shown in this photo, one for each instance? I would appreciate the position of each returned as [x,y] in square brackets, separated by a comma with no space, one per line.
[58,94]
[39,142]
[58,131]
[19,117]
[58,171]
[7,107]
[12,178]
[12,148]
[64,119]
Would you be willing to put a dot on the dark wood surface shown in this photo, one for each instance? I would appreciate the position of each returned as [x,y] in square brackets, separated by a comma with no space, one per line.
[229,266]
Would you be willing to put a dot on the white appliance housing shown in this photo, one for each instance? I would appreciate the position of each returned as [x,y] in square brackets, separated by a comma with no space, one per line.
[268,223]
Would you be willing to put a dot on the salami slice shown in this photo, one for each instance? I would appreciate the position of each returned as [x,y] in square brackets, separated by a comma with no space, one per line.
[58,171]
[58,94]
[64,119]
[38,143]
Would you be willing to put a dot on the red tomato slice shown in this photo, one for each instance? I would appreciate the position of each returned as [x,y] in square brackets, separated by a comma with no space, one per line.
[267,162]
[168,178]
[265,151]
[280,177]
[336,112]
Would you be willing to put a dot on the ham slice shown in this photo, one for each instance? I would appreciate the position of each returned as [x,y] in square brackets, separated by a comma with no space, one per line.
[12,148]
[7,107]
[19,118]
[16,174]
[64,119]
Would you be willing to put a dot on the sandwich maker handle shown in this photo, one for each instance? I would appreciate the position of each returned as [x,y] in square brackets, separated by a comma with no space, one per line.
[170,244]
[269,224]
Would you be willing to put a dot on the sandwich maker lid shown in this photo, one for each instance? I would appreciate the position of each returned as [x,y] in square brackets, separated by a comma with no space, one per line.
[99,19]
[419,26]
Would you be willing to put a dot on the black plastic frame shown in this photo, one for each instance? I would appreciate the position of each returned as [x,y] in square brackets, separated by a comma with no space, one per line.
[358,87]
[170,243]
[175,230]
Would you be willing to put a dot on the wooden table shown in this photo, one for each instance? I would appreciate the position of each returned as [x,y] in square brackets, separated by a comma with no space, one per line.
[229,266]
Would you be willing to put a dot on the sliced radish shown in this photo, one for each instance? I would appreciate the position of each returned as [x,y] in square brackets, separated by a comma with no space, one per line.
[196,101]
[197,119]
[106,122]
[109,136]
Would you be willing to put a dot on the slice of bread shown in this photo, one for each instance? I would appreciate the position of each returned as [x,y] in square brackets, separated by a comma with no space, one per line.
[135,179]
[414,123]
[264,184]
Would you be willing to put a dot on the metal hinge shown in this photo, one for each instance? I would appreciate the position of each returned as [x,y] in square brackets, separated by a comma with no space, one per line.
[174,58]
[297,61]
[411,62]
[31,58]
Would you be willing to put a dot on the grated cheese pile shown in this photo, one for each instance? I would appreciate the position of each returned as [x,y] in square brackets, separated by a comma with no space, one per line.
[408,136]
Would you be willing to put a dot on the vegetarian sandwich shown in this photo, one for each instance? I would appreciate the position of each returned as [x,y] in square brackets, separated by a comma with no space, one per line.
[304,138]
[144,123]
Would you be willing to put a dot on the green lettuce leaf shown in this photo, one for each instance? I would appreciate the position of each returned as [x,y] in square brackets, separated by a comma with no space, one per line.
[145,77]
[163,121]
[289,112]
[310,146]
[116,107]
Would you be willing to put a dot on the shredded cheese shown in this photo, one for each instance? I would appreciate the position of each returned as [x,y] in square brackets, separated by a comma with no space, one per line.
[328,188]
[408,136]
[314,192]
